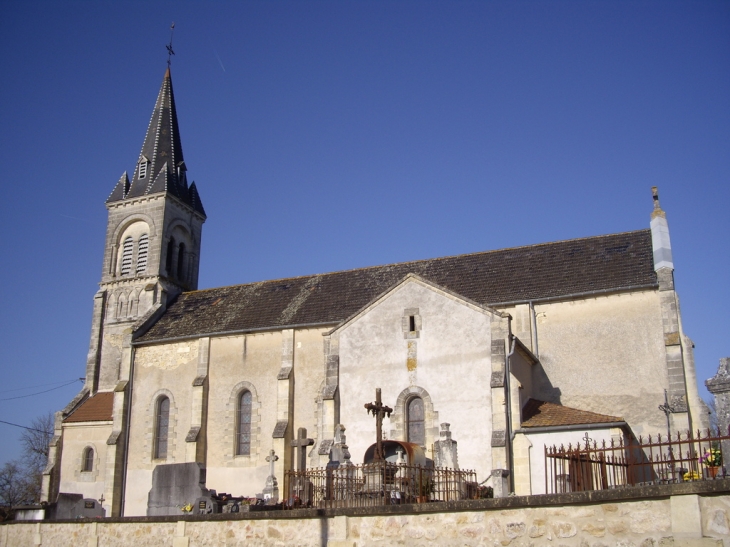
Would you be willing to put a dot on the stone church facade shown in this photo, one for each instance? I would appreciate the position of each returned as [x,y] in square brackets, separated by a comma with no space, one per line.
[515,349]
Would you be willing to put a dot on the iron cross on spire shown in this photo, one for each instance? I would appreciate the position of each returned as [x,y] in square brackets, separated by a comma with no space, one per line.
[169,46]
[379,410]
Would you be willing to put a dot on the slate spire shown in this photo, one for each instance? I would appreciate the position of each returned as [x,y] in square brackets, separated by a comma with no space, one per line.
[161,165]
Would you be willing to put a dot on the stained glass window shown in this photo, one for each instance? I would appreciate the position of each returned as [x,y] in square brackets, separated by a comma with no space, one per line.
[243,444]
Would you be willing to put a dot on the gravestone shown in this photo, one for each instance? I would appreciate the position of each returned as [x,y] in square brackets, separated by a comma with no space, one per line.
[90,508]
[73,506]
[66,506]
[204,505]
[175,485]
[445,453]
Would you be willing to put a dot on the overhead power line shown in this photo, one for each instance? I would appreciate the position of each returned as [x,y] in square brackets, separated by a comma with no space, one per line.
[28,428]
[40,392]
[39,385]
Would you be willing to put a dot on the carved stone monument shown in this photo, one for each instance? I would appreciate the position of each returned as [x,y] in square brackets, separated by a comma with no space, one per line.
[339,452]
[379,410]
[378,474]
[175,485]
[302,488]
[444,450]
[271,490]
[72,506]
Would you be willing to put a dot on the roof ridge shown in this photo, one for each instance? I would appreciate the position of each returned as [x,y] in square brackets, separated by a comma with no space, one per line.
[364,268]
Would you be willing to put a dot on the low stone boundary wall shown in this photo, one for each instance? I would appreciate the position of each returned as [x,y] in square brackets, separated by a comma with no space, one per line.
[690,514]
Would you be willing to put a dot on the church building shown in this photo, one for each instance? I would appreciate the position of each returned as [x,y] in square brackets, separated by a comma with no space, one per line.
[515,349]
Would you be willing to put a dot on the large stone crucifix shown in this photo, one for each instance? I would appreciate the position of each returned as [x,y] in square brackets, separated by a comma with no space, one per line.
[302,442]
[379,410]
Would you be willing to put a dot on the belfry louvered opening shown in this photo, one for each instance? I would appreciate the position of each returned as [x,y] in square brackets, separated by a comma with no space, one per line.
[142,253]
[127,250]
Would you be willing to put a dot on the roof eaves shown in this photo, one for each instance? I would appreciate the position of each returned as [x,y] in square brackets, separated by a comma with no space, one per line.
[156,341]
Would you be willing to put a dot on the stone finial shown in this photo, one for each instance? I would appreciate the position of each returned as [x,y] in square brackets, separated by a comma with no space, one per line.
[657,208]
[660,242]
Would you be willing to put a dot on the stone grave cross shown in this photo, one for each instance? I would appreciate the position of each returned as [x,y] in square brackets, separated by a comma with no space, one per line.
[271,458]
[379,410]
[302,442]
[271,490]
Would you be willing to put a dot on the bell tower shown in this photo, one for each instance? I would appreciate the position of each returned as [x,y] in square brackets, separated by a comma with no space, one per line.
[152,250]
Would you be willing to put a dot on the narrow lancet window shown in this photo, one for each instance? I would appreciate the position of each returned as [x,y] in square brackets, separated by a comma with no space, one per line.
[168,258]
[181,261]
[162,425]
[88,461]
[416,425]
[143,169]
[243,425]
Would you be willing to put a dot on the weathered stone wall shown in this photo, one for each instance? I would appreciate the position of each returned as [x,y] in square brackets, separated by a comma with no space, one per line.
[76,438]
[446,361]
[237,363]
[695,514]
[606,355]
[165,370]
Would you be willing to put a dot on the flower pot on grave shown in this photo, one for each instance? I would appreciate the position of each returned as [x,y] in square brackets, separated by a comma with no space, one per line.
[712,471]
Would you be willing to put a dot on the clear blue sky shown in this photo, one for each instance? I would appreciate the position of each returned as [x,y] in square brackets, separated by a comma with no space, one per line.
[333,135]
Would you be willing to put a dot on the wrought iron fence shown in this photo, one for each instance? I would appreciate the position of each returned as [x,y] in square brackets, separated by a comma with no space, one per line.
[381,483]
[633,462]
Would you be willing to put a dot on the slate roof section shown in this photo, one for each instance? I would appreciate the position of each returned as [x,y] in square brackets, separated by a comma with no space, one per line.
[543,414]
[549,270]
[162,148]
[94,409]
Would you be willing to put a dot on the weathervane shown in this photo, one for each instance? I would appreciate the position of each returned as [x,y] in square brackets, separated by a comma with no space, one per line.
[169,46]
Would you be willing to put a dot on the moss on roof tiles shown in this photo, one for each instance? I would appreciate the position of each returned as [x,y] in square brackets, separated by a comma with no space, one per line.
[548,270]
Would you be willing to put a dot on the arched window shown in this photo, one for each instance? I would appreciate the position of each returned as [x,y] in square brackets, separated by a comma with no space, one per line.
[127,249]
[415,416]
[88,461]
[168,259]
[181,261]
[243,424]
[142,247]
[162,425]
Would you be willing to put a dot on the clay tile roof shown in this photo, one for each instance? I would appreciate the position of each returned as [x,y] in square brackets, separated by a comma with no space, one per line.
[543,414]
[548,270]
[94,409]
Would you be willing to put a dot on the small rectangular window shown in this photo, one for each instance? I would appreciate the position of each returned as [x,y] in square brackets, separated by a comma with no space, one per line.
[412,323]
[143,169]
